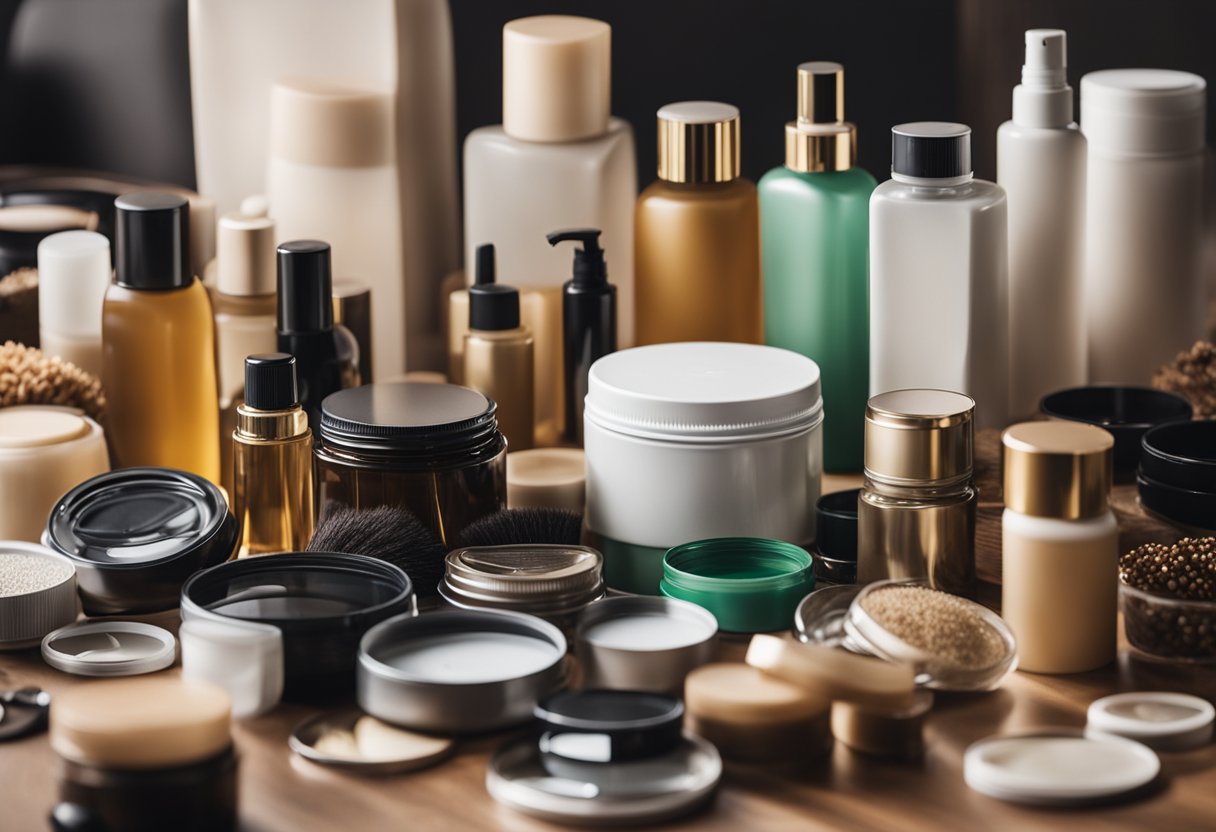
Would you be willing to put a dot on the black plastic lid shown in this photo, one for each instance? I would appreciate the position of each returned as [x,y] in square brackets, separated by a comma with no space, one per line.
[590,270]
[492,306]
[409,422]
[931,149]
[152,241]
[306,287]
[270,381]
[609,726]
[836,524]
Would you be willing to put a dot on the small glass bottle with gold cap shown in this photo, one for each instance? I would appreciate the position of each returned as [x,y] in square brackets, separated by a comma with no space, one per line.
[814,234]
[1060,546]
[697,233]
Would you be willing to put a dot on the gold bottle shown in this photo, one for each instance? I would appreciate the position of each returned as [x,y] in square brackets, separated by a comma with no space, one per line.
[158,343]
[697,233]
[498,360]
[272,492]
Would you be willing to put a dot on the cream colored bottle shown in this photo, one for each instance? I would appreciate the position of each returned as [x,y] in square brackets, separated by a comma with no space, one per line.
[697,233]
[1060,546]
[498,359]
[158,343]
[73,275]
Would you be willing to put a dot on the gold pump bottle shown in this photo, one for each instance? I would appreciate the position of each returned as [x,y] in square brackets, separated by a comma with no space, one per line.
[158,343]
[272,492]
[697,233]
[498,360]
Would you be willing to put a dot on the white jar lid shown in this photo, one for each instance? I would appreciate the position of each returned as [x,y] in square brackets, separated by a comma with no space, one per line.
[1165,721]
[37,426]
[1143,112]
[704,392]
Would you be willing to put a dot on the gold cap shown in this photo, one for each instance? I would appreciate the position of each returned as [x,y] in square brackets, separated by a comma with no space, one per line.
[1057,469]
[556,78]
[698,142]
[244,254]
[919,437]
[327,124]
[820,140]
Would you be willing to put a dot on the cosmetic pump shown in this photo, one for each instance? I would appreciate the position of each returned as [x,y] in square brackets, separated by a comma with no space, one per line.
[588,321]
[1040,162]
[158,343]
[498,352]
[327,354]
[814,238]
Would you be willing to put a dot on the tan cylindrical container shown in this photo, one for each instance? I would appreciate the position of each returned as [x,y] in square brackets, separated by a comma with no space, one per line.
[158,344]
[697,233]
[1060,546]
[916,513]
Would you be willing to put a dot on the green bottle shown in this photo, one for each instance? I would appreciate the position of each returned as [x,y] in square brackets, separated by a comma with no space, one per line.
[814,237]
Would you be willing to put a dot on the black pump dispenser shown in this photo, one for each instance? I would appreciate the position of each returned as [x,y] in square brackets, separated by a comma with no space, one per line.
[588,320]
[492,306]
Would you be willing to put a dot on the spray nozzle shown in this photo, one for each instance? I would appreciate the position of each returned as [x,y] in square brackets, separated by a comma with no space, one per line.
[1046,58]
[589,266]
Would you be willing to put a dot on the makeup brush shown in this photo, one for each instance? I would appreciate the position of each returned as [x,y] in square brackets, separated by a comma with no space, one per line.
[521,526]
[389,533]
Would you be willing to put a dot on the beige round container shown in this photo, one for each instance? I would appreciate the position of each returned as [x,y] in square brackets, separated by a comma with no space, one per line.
[547,478]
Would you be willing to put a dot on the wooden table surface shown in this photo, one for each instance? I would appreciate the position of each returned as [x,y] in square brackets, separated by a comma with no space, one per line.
[280,793]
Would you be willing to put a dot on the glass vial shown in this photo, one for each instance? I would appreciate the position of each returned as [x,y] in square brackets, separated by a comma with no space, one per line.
[158,343]
[938,273]
[814,235]
[697,233]
[916,512]
[1059,546]
[272,494]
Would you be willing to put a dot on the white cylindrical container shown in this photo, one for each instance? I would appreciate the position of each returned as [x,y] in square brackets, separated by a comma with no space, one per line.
[1145,298]
[939,315]
[333,177]
[1040,162]
[1060,546]
[698,440]
[74,272]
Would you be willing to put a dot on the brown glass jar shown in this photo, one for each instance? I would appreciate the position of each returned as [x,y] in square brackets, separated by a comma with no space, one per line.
[434,449]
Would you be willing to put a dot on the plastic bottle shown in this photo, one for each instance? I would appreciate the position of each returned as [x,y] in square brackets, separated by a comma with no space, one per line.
[73,274]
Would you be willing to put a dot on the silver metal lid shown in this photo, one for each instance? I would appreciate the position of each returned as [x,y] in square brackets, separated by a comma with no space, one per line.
[540,579]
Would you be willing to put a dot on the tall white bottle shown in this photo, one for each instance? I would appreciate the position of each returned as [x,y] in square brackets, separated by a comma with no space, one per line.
[939,273]
[1040,162]
[1145,298]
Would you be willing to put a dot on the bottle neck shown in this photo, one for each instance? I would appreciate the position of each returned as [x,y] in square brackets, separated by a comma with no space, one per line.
[932,183]
[919,491]
[271,425]
[1042,104]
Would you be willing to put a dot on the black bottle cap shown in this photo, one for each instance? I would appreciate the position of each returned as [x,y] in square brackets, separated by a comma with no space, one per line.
[306,287]
[931,149]
[152,241]
[492,306]
[270,381]
[590,271]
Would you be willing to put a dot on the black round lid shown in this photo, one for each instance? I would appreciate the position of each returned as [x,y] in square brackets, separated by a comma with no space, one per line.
[270,381]
[152,241]
[836,524]
[931,149]
[608,710]
[136,516]
[407,416]
[306,287]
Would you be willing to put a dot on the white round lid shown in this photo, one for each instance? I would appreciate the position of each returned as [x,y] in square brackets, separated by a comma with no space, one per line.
[1173,721]
[1058,769]
[704,392]
[36,426]
[73,274]
[698,112]
[1143,111]
[109,648]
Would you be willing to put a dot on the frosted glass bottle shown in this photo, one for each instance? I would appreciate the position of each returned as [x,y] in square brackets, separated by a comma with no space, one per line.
[1040,162]
[814,236]
[939,273]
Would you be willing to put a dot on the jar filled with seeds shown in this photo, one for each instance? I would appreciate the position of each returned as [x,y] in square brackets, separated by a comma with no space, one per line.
[1168,597]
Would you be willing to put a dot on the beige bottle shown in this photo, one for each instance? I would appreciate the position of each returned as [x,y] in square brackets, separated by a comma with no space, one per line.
[158,343]
[1060,546]
[498,353]
[697,233]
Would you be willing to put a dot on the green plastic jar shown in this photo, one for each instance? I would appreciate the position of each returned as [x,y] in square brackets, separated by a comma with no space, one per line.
[750,584]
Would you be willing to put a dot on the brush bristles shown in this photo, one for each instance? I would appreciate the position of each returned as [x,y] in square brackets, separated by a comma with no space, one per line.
[523,526]
[389,533]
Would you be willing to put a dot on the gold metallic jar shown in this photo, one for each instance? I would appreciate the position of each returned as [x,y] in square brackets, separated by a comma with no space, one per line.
[916,512]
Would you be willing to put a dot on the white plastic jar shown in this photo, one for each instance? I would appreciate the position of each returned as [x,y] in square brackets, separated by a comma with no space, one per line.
[692,441]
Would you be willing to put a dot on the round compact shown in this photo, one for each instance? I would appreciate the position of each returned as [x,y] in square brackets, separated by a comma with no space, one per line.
[954,644]
[547,478]
[322,603]
[1058,769]
[642,792]
[643,643]
[353,741]
[609,726]
[819,618]
[1179,506]
[109,648]
[135,535]
[1164,721]
[459,671]
[836,537]
[1181,455]
[751,585]
[37,593]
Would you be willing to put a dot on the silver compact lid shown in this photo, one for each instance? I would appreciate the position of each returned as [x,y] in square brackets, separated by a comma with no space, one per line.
[543,579]
[109,648]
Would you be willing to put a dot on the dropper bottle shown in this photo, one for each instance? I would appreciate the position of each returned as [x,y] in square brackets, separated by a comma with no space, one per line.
[588,321]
